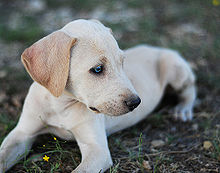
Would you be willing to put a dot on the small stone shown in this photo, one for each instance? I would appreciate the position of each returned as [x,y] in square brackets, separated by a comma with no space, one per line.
[2,97]
[157,143]
[16,101]
[173,129]
[195,127]
[69,168]
[207,145]
[146,165]
[2,73]
[153,150]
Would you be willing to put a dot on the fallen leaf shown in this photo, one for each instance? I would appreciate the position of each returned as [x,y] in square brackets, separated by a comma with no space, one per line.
[146,165]
[207,145]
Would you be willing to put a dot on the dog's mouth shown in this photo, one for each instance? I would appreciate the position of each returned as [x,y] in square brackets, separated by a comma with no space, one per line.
[94,110]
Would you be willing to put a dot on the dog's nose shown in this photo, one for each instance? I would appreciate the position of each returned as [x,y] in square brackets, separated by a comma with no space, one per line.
[132,103]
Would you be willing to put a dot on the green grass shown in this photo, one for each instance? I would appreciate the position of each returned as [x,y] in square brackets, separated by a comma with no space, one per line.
[156,120]
[28,32]
[214,137]
[6,124]
[216,152]
[13,77]
[161,160]
[56,153]
[171,138]
[140,156]
[75,4]
[114,169]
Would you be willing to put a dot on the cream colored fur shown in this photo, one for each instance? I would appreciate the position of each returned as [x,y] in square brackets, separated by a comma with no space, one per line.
[145,72]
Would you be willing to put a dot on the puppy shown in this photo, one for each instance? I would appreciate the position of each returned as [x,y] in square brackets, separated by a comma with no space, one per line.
[87,88]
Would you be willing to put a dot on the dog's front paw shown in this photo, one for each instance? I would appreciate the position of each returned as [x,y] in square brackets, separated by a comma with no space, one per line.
[183,112]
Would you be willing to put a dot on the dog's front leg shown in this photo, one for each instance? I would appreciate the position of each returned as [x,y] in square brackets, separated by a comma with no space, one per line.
[14,147]
[18,142]
[92,140]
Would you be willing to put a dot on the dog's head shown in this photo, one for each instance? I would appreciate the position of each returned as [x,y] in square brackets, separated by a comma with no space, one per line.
[84,59]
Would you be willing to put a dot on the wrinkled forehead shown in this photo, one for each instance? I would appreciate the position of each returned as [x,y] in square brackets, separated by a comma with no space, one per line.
[93,37]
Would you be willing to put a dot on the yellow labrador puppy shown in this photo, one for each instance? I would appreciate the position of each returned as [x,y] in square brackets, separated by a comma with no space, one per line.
[83,82]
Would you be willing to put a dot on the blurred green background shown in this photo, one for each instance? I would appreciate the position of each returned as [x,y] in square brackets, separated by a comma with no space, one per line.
[191,27]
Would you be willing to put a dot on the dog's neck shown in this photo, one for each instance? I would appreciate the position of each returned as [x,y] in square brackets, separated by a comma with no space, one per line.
[68,99]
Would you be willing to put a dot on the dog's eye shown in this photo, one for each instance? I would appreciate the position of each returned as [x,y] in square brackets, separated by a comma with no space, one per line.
[98,69]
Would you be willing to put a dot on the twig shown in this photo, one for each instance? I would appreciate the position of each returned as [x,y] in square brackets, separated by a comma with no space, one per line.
[173,152]
[166,152]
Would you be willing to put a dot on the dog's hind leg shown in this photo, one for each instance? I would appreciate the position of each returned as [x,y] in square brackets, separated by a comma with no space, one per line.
[18,143]
[176,72]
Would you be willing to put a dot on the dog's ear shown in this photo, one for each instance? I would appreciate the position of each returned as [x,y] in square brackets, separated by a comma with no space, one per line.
[47,61]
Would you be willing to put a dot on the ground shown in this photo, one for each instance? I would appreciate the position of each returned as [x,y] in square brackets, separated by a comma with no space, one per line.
[157,144]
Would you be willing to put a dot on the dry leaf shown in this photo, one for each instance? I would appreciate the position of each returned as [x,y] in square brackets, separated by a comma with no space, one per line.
[146,165]
[207,145]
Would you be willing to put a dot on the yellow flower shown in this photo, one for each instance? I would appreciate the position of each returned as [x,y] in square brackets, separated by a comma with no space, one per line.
[55,138]
[44,145]
[215,2]
[46,158]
